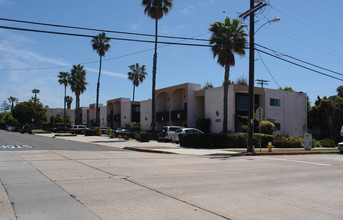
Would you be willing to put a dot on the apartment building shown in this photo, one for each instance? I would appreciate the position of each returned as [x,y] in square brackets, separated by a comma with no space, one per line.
[185,103]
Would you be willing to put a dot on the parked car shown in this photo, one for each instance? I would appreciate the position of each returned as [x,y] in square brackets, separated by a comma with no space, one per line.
[103,129]
[340,144]
[62,129]
[123,132]
[175,137]
[78,129]
[168,131]
[12,128]
[26,128]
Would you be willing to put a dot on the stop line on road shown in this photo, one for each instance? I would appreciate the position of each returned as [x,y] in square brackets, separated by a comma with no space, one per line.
[15,146]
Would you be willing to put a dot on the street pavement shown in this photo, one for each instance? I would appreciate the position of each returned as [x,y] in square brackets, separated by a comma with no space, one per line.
[96,178]
[151,146]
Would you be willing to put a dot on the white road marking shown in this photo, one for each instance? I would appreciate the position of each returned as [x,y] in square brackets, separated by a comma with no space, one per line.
[298,161]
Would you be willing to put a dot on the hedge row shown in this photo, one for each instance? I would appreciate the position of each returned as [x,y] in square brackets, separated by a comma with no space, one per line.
[222,140]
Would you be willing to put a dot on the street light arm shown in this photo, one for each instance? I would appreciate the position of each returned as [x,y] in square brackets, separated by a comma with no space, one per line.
[270,21]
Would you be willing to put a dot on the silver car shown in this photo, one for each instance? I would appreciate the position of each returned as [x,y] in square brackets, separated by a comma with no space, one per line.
[175,137]
[168,131]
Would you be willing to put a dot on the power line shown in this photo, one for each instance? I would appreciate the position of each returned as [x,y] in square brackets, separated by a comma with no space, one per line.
[299,65]
[100,30]
[268,69]
[182,44]
[91,36]
[297,59]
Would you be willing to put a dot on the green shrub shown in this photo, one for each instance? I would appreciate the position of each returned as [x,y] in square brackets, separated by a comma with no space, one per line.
[204,125]
[93,132]
[266,127]
[284,142]
[109,131]
[136,135]
[112,135]
[327,142]
[126,137]
[38,131]
[133,126]
[315,143]
[145,136]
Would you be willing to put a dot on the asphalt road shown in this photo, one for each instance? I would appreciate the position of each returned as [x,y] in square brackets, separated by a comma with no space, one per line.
[105,183]
[43,143]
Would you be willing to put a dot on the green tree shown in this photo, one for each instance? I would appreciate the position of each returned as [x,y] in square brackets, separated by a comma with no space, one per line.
[242,81]
[63,79]
[137,76]
[227,39]
[340,91]
[155,9]
[10,120]
[13,101]
[29,113]
[35,91]
[5,107]
[100,44]
[77,81]
[69,100]
[207,85]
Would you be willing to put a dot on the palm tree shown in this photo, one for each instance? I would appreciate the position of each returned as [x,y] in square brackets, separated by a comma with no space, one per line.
[155,9]
[35,91]
[77,81]
[69,100]
[12,100]
[227,38]
[100,44]
[63,79]
[137,76]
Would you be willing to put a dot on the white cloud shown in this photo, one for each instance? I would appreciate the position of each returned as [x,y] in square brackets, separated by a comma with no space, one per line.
[187,10]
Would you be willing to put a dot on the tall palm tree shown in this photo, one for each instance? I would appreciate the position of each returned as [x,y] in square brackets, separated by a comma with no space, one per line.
[155,9]
[137,76]
[100,44]
[77,81]
[35,91]
[12,100]
[227,39]
[69,100]
[63,80]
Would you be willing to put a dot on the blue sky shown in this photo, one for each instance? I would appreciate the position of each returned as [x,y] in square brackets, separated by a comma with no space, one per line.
[309,30]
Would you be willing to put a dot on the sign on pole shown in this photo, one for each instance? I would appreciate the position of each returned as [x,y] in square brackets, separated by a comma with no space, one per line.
[259,113]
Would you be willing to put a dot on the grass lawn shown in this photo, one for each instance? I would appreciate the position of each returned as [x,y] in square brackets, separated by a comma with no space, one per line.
[282,150]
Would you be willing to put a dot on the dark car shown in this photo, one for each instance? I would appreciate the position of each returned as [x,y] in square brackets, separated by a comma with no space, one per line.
[123,132]
[26,128]
[62,129]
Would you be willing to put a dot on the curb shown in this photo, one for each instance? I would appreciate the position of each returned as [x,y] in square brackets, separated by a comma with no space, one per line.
[288,153]
[148,150]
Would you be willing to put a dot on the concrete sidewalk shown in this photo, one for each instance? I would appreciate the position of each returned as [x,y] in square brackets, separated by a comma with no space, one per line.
[151,146]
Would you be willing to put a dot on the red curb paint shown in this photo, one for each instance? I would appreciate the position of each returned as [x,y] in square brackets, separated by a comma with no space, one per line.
[282,153]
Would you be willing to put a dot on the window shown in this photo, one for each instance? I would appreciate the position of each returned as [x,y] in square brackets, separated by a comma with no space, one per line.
[275,102]
[277,126]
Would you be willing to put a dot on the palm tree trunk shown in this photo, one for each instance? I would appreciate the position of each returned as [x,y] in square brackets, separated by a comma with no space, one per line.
[153,110]
[97,96]
[133,96]
[77,117]
[226,88]
[64,113]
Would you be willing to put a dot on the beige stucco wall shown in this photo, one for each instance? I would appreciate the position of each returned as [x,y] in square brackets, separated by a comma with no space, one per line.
[214,108]
[145,115]
[292,113]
